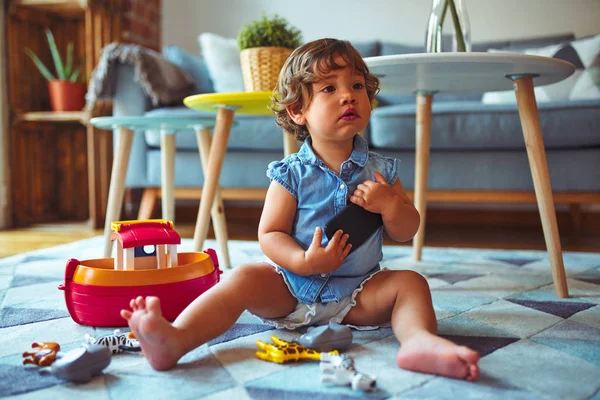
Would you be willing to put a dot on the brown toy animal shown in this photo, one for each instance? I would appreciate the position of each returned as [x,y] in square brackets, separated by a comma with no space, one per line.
[44,353]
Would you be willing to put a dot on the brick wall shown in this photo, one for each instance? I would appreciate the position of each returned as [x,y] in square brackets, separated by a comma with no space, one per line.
[141,23]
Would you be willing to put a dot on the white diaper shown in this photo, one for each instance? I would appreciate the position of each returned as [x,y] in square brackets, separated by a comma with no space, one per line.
[318,313]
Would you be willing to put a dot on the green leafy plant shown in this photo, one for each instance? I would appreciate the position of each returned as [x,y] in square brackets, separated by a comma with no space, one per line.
[269,32]
[64,71]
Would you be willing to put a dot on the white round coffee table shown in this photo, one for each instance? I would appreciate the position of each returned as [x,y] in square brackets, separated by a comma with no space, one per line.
[425,74]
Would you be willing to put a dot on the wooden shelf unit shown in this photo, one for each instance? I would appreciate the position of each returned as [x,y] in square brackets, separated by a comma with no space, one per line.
[56,116]
[59,164]
[71,8]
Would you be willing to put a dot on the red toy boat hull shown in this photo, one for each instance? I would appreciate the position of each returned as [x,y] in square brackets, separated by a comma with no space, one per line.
[99,305]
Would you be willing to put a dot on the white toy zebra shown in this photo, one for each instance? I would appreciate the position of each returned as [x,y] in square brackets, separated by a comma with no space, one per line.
[339,369]
[117,342]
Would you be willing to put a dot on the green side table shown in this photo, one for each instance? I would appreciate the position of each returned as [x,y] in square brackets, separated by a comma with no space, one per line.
[125,127]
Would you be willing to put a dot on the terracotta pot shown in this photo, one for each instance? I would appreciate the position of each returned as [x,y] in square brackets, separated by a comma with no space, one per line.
[66,95]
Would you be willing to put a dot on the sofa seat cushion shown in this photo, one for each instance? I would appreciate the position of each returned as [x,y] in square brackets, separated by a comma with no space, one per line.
[448,170]
[249,132]
[241,169]
[473,125]
[571,170]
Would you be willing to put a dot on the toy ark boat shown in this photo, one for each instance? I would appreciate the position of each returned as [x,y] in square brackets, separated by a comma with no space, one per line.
[147,264]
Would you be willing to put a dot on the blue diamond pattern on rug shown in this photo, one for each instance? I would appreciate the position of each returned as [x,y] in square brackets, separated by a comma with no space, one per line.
[499,302]
[519,262]
[577,339]
[240,330]
[564,310]
[453,278]
[20,280]
[589,277]
[28,379]
[20,316]
[483,344]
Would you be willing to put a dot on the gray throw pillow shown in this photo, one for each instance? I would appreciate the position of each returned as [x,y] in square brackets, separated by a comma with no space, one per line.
[193,64]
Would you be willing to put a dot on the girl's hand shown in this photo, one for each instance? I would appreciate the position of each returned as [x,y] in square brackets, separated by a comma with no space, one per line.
[374,196]
[323,260]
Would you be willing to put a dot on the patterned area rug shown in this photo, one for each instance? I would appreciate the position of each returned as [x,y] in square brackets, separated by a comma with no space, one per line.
[501,303]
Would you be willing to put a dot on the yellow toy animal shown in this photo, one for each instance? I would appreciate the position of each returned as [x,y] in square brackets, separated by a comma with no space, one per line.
[282,351]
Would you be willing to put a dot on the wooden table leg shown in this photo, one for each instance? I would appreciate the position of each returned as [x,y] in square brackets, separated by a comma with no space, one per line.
[117,184]
[423,142]
[290,144]
[89,129]
[211,174]
[534,143]
[167,150]
[217,211]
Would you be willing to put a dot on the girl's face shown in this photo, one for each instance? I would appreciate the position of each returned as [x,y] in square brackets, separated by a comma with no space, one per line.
[340,106]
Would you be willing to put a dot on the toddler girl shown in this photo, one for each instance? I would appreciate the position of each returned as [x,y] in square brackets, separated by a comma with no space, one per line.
[323,97]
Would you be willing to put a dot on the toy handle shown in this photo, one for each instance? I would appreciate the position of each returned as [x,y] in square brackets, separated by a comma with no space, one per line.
[72,265]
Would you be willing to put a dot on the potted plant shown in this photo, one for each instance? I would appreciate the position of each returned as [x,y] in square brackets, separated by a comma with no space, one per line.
[66,93]
[264,46]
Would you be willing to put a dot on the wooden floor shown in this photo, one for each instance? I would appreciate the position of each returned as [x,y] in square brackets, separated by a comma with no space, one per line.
[443,230]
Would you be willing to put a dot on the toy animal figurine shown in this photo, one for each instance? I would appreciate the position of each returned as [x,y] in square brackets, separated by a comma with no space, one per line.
[81,364]
[283,351]
[43,355]
[117,342]
[327,337]
[339,369]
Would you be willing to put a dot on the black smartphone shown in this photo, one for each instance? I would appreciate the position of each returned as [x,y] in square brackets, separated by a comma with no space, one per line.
[357,222]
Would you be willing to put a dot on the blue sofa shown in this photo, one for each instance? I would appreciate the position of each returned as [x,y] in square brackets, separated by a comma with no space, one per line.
[475,147]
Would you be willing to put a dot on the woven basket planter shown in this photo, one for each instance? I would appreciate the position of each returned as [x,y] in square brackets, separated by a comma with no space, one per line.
[261,66]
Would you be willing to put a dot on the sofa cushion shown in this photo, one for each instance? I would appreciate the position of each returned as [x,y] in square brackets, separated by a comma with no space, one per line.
[448,170]
[583,53]
[473,125]
[388,48]
[368,49]
[502,169]
[249,132]
[194,65]
[519,44]
[223,61]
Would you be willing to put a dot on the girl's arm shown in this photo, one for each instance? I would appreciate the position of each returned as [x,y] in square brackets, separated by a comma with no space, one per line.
[400,218]
[274,236]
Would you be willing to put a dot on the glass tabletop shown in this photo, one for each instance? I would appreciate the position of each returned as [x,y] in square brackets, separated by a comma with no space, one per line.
[254,103]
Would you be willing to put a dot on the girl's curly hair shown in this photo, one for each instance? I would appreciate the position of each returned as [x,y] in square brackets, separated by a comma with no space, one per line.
[307,64]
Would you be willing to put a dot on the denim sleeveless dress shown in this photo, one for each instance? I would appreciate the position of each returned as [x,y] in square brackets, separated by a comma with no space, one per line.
[320,194]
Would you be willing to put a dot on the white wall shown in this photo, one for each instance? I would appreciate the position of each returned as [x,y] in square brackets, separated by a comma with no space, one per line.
[391,20]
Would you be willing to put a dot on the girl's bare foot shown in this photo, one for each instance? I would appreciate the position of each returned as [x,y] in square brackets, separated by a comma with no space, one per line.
[155,334]
[426,352]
